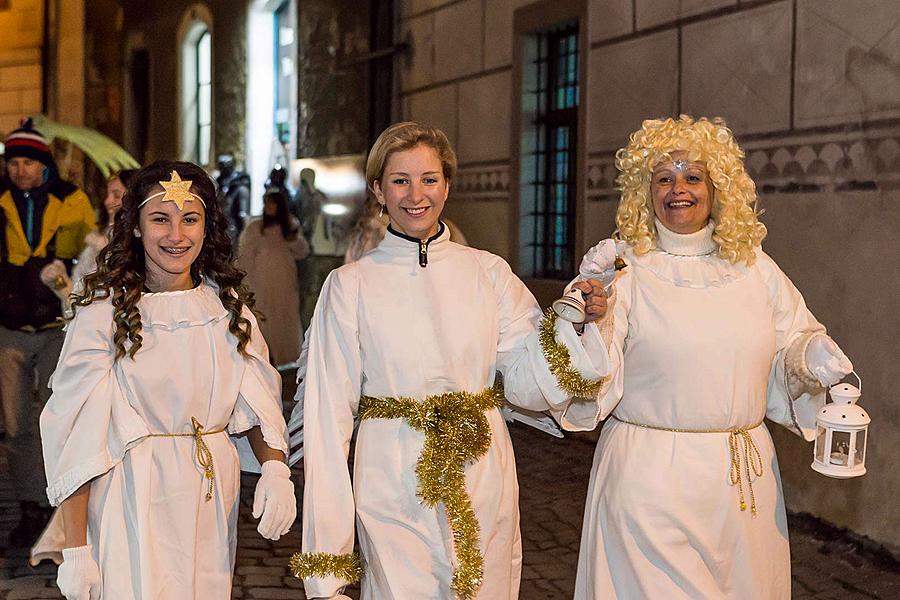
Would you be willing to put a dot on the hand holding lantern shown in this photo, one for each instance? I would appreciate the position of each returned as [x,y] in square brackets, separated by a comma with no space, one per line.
[841,434]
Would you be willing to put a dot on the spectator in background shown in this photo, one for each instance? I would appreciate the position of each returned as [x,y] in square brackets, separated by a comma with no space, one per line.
[309,202]
[234,194]
[94,242]
[268,251]
[46,218]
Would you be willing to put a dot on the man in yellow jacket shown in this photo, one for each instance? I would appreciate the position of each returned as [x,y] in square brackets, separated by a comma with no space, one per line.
[42,218]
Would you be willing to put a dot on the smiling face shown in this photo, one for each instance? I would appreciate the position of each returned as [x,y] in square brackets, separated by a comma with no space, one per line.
[682,194]
[413,190]
[172,240]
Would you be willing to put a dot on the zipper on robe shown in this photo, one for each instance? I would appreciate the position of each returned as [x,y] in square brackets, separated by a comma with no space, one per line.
[423,244]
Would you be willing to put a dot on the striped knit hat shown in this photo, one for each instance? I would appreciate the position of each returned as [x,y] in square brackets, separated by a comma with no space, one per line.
[28,142]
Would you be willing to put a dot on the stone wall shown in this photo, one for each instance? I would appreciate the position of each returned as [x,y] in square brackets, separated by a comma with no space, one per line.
[20,62]
[155,26]
[333,92]
[812,90]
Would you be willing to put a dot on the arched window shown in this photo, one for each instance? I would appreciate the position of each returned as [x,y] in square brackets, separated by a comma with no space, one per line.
[195,83]
[204,97]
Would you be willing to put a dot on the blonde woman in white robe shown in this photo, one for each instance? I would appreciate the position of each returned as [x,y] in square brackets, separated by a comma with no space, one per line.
[162,392]
[706,337]
[409,338]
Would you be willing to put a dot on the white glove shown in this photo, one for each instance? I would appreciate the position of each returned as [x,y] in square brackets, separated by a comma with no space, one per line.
[274,500]
[78,577]
[54,276]
[599,262]
[826,361]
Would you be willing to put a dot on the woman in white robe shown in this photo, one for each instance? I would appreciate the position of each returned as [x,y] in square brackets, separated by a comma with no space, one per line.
[706,337]
[161,367]
[409,337]
[268,250]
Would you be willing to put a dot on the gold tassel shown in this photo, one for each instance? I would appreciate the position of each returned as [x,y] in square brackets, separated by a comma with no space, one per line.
[557,355]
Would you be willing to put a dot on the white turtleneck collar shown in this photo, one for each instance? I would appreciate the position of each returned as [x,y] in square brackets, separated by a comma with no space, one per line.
[699,243]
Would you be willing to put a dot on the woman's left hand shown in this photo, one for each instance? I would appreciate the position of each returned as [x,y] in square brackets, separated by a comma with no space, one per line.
[595,301]
[274,503]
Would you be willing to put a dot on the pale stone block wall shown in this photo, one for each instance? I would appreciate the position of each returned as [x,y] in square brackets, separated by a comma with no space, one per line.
[811,89]
[20,62]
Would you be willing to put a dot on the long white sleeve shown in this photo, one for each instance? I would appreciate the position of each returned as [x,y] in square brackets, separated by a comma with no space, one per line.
[87,425]
[259,401]
[333,380]
[789,402]
[527,379]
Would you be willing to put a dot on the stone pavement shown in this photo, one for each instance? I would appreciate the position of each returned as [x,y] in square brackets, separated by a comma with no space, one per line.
[553,475]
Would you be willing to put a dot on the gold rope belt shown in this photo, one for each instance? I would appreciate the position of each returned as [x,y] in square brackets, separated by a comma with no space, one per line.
[203,453]
[741,445]
[456,431]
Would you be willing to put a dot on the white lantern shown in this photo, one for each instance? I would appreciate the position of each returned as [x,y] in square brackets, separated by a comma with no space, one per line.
[841,434]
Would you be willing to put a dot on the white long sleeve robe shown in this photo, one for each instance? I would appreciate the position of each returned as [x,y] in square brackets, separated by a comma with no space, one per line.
[386,327]
[154,535]
[694,343]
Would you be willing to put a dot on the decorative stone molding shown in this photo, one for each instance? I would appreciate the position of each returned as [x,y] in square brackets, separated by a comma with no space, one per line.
[481,182]
[836,160]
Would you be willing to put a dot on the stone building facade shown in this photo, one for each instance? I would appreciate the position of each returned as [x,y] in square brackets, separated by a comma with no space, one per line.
[811,89]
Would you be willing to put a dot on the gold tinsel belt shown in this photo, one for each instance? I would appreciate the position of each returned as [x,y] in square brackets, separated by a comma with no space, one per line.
[456,432]
[744,455]
[204,455]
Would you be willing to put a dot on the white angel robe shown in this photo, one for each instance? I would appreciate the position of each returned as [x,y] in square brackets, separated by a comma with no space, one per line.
[384,326]
[154,534]
[695,342]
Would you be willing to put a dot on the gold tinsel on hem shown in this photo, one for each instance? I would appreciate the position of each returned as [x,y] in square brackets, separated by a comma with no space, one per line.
[567,377]
[456,432]
[345,567]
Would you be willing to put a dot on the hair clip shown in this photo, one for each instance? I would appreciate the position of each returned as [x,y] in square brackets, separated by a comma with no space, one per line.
[175,190]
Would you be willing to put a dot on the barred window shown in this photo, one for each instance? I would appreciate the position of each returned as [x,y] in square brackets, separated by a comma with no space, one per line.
[550,103]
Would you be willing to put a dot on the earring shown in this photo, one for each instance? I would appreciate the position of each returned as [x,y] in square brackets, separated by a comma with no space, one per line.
[136,232]
[381,212]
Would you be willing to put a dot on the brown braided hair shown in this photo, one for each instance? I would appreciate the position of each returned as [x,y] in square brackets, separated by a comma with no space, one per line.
[121,268]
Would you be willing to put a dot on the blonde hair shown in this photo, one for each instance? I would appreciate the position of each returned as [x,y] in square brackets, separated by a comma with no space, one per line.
[738,230]
[400,137]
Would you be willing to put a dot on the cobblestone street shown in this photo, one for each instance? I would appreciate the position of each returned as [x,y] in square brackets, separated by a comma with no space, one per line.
[553,475]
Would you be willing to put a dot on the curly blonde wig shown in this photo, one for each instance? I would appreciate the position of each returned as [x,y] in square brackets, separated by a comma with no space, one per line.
[737,231]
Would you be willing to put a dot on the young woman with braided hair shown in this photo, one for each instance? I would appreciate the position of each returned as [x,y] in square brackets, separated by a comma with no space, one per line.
[163,392]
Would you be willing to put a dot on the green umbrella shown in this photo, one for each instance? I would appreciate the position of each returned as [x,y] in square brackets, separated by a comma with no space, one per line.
[105,153]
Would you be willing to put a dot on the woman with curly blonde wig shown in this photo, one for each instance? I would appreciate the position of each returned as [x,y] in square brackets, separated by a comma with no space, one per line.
[163,391]
[705,337]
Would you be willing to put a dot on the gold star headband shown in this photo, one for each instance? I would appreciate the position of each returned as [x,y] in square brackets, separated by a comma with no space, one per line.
[175,190]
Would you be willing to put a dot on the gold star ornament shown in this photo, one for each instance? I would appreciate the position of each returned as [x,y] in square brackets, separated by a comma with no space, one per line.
[175,190]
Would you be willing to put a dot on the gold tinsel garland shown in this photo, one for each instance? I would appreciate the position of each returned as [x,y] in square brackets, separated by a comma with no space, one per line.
[557,355]
[456,431]
[345,567]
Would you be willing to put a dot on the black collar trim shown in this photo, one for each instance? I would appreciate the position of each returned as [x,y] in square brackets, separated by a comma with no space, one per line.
[422,244]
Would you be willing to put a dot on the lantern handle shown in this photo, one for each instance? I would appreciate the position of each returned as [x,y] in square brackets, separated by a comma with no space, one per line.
[858,379]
